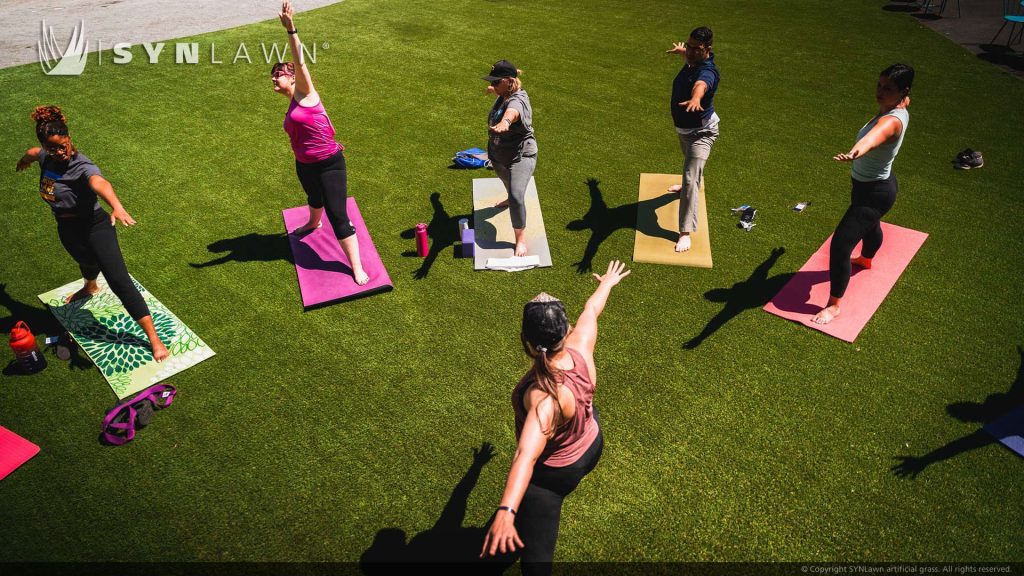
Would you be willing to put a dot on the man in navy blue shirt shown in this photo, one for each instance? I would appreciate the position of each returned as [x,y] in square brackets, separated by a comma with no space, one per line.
[693,112]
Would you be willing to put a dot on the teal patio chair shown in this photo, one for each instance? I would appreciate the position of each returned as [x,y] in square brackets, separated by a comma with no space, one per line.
[1012,15]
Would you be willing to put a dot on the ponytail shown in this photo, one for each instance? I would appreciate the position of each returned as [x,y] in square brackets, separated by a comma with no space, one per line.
[547,377]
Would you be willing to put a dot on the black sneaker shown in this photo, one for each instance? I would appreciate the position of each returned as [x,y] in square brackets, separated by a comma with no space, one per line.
[968,159]
[747,219]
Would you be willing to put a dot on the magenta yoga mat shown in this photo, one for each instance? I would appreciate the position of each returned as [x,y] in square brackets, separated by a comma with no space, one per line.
[325,276]
[14,451]
[807,291]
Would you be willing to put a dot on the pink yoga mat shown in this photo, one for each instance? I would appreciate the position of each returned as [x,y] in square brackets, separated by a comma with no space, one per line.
[807,291]
[14,451]
[324,273]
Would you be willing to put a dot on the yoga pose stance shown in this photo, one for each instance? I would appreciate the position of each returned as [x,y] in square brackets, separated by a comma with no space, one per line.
[319,159]
[874,184]
[511,147]
[70,182]
[557,426]
[693,112]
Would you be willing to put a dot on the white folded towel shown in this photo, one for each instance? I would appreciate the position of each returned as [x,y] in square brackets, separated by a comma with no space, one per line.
[513,264]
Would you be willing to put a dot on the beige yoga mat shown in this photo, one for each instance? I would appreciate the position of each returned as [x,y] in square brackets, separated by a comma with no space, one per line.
[493,235]
[656,248]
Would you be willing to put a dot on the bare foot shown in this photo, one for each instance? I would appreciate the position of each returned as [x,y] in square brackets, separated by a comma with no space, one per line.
[160,352]
[861,261]
[520,248]
[675,188]
[360,276]
[307,227]
[502,204]
[826,315]
[684,243]
[90,289]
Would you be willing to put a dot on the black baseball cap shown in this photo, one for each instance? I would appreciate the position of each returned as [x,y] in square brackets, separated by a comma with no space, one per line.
[544,321]
[502,69]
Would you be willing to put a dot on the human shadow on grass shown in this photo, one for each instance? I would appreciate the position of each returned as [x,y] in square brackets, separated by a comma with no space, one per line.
[798,297]
[992,409]
[603,221]
[447,544]
[251,247]
[443,231]
[41,321]
[754,292]
[485,234]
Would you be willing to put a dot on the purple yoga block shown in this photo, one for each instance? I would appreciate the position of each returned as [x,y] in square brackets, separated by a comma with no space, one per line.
[468,241]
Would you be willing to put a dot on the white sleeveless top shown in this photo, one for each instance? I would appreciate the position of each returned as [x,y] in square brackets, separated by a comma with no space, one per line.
[877,164]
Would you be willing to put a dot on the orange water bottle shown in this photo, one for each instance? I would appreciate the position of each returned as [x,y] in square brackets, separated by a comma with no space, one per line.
[23,343]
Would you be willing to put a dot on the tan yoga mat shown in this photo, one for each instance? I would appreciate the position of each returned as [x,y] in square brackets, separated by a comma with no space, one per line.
[492,227]
[658,220]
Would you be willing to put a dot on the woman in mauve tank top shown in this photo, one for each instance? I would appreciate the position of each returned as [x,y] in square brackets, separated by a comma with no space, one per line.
[556,425]
[319,159]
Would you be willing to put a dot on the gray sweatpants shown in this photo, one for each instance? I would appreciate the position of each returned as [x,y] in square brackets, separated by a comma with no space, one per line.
[516,177]
[696,149]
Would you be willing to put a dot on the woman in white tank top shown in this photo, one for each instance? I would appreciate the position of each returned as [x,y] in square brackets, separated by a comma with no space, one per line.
[874,184]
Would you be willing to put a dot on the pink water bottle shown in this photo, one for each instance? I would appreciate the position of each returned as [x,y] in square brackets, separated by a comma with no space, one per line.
[422,245]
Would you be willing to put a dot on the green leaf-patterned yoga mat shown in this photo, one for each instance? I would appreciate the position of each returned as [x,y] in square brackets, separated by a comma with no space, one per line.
[117,344]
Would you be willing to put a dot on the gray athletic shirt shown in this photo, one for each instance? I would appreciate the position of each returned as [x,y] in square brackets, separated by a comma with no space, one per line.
[509,147]
[65,186]
[877,164]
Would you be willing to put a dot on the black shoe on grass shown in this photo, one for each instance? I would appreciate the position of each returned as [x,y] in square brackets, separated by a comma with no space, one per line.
[968,159]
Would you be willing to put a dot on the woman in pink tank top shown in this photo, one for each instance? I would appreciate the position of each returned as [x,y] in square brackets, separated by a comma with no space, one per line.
[319,159]
[556,425]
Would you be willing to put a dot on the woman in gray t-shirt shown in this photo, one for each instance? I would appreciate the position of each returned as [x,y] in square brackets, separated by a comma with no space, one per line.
[511,147]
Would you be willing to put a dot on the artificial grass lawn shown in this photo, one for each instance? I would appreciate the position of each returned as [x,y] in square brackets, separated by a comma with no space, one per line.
[311,432]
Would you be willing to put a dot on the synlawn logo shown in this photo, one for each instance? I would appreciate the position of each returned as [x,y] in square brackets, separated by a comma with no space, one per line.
[67,62]
[71,60]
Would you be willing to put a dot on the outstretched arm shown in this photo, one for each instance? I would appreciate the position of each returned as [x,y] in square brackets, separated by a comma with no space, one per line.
[303,81]
[886,128]
[105,190]
[693,104]
[584,335]
[31,155]
[510,117]
[540,413]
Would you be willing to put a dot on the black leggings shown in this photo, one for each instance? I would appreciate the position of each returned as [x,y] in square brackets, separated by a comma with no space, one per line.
[326,186]
[869,201]
[541,508]
[92,242]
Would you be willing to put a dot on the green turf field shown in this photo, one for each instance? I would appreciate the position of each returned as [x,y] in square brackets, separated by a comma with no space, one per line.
[310,433]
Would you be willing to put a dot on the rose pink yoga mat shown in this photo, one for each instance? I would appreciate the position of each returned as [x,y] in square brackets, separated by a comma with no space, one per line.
[14,451]
[324,273]
[1009,430]
[807,291]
